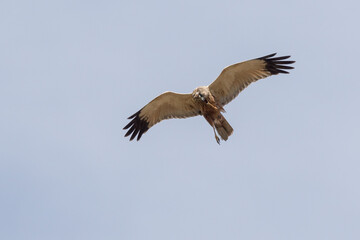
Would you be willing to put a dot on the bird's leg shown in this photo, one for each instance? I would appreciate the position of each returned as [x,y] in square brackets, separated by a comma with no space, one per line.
[212,105]
[216,136]
[211,122]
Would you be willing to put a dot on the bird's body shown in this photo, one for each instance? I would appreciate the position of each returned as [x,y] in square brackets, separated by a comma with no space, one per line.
[207,101]
[211,110]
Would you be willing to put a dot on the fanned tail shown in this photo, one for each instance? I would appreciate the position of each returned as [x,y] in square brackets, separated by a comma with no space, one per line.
[223,127]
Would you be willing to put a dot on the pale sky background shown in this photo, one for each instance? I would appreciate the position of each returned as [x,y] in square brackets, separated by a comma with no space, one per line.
[71,72]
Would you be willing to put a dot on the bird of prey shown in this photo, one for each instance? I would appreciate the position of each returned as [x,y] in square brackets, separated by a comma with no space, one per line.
[207,101]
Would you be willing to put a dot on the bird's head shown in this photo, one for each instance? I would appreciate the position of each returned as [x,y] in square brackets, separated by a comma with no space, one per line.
[201,93]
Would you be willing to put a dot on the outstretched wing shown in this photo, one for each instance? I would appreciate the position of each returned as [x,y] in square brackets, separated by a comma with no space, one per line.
[165,106]
[235,78]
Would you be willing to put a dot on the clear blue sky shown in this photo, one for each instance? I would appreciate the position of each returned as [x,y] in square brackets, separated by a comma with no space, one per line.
[71,72]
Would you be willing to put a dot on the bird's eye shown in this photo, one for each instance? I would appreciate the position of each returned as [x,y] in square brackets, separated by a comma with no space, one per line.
[200,95]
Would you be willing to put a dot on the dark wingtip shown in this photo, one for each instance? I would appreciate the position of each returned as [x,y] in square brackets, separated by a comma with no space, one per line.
[137,126]
[275,65]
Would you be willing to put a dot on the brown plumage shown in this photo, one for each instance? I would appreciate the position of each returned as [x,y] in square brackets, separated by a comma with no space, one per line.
[209,100]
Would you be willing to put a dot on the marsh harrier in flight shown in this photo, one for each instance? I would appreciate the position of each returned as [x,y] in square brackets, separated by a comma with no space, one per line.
[208,100]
